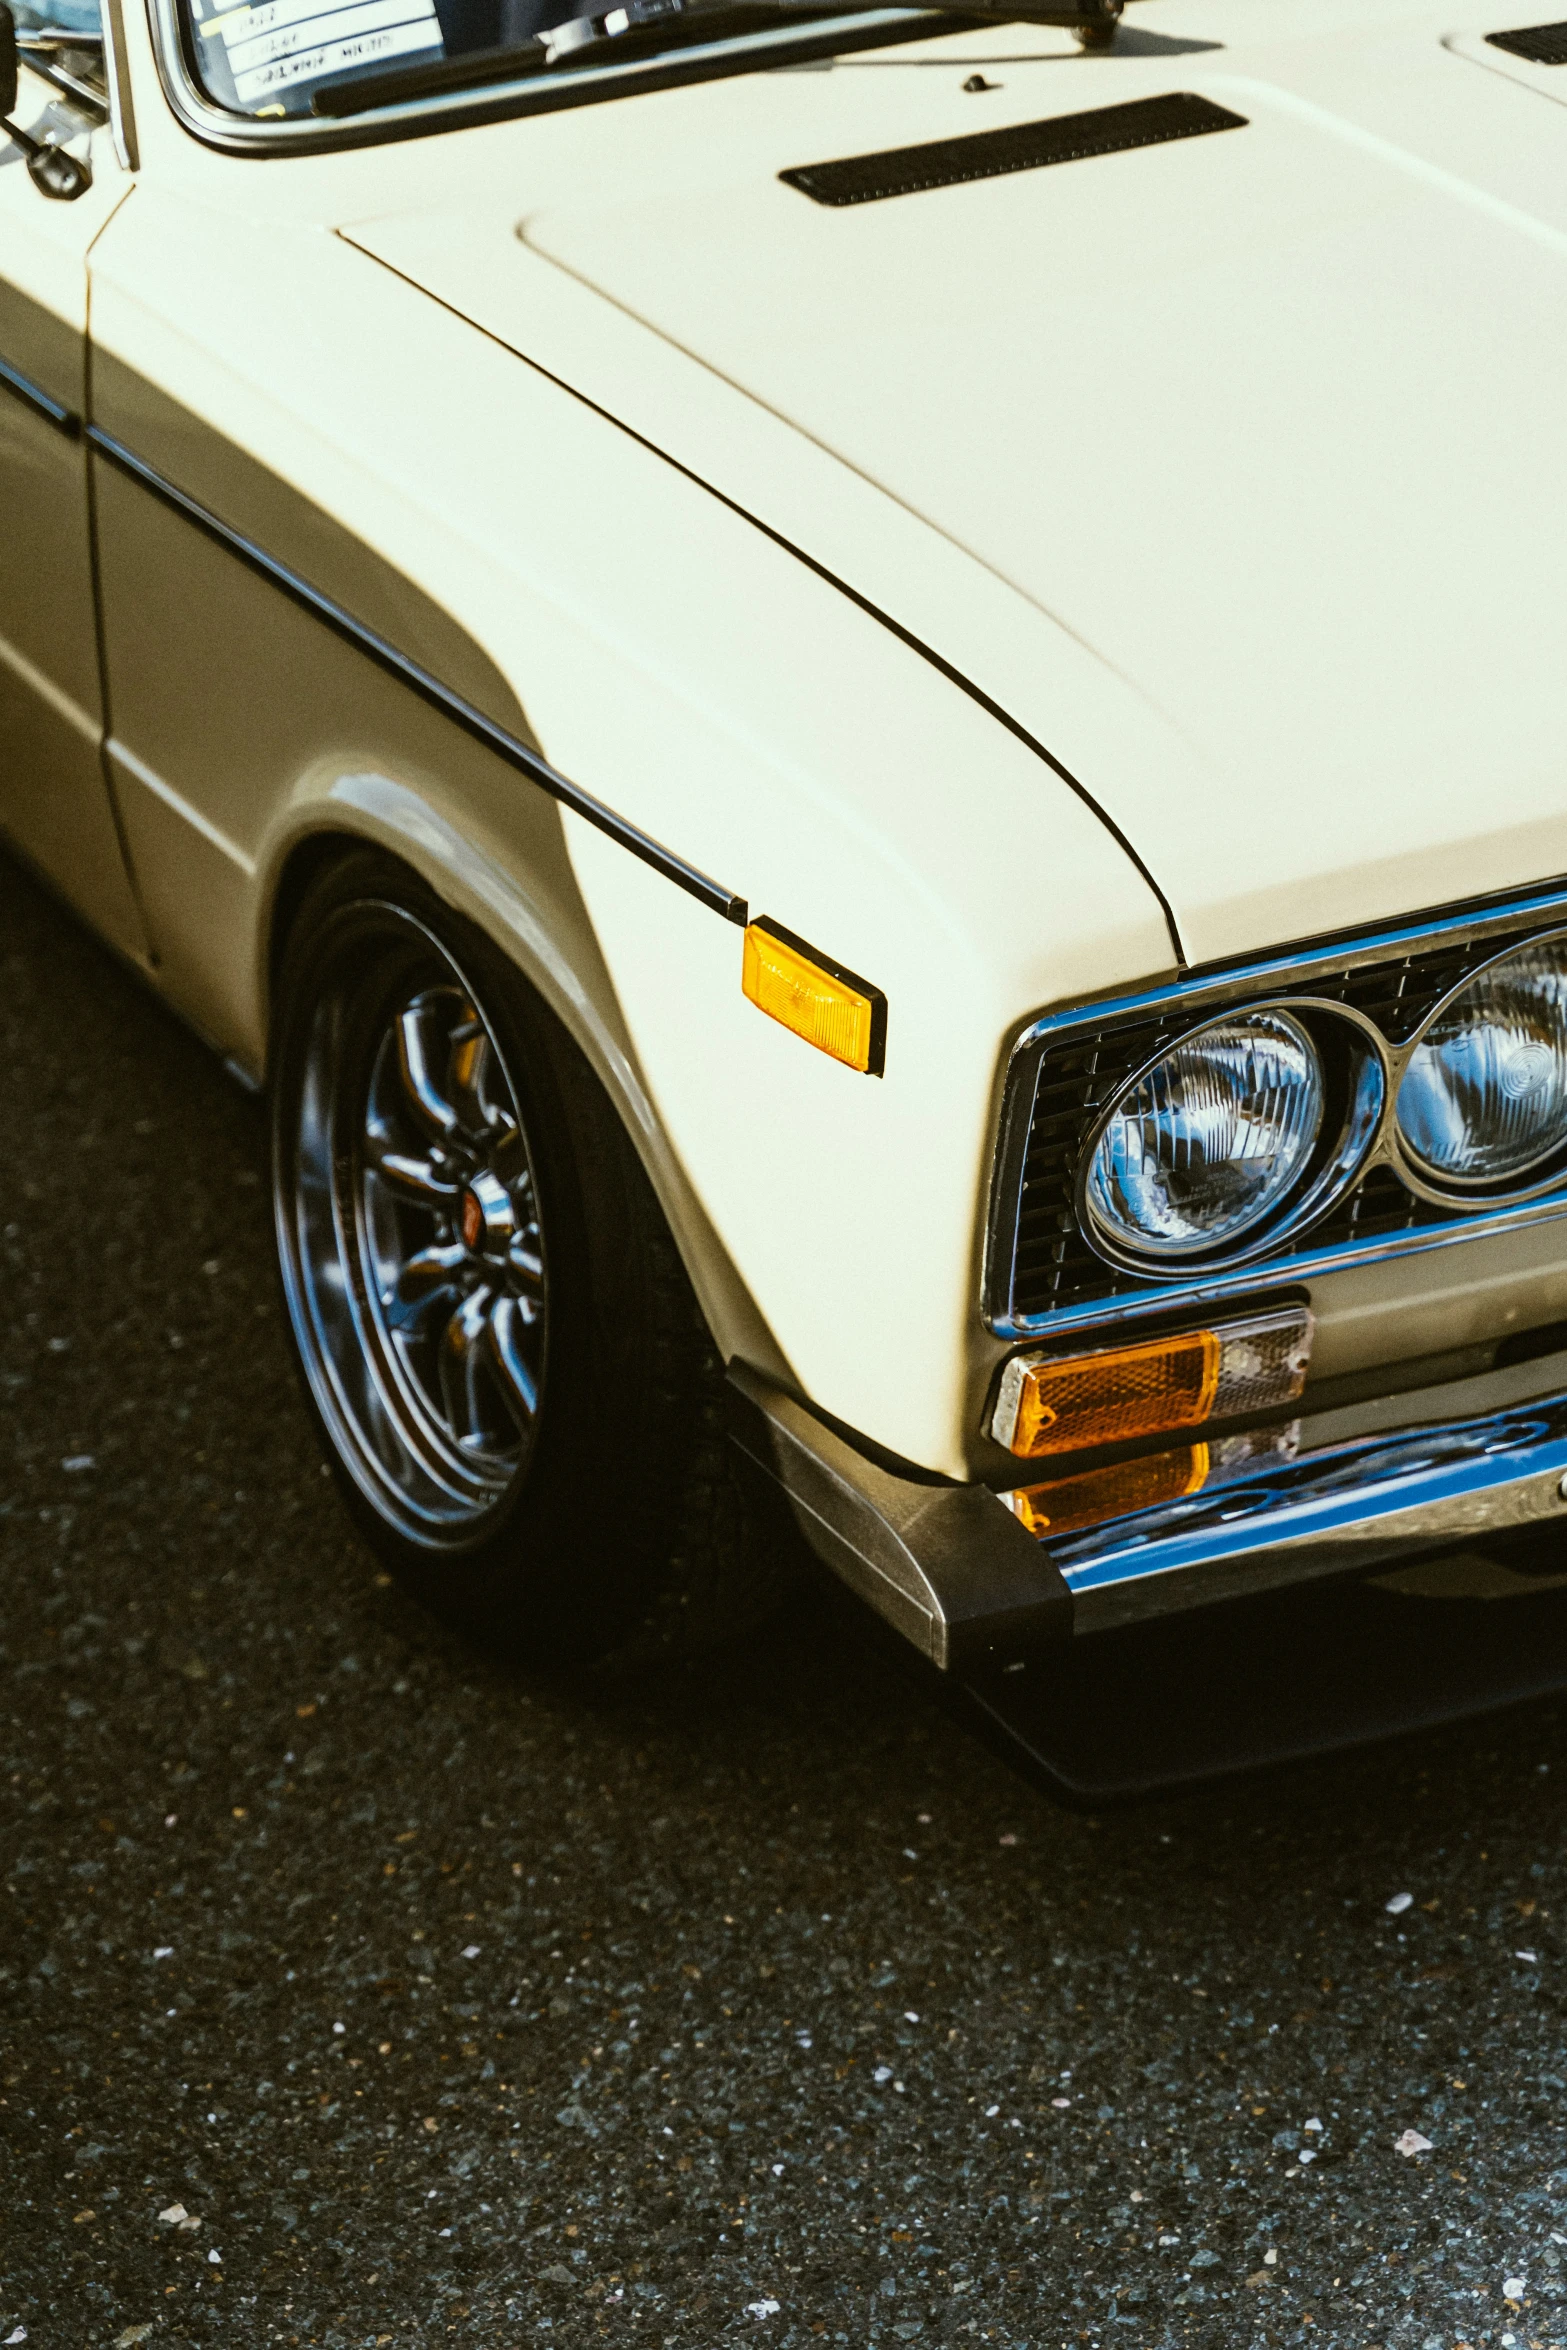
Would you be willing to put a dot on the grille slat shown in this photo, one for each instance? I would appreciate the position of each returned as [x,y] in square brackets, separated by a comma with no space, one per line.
[1053,1266]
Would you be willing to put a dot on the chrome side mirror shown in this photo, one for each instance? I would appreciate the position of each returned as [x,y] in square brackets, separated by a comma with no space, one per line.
[52,170]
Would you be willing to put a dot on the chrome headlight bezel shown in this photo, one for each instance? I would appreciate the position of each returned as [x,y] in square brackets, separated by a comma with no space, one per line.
[1541,1174]
[1041,1272]
[1350,1059]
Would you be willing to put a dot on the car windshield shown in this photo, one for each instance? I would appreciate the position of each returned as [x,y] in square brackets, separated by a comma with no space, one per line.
[340,58]
[268,57]
[337,58]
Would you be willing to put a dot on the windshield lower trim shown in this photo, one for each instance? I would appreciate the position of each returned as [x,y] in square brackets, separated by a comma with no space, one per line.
[535,93]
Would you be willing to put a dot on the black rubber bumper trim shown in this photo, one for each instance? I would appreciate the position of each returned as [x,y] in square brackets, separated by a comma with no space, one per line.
[1287,1678]
[946,1565]
[1263,1679]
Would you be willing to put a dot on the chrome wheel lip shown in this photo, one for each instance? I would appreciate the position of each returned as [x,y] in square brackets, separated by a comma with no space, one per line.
[417,1347]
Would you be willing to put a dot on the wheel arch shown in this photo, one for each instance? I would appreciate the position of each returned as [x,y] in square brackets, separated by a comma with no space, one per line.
[568,973]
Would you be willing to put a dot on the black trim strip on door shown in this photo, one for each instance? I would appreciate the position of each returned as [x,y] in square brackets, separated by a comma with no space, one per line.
[700,885]
[63,419]
[690,878]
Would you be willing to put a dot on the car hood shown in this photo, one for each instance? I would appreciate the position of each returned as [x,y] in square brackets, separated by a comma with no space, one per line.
[1233,468]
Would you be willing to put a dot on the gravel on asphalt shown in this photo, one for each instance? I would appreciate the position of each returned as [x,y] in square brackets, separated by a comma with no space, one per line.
[358,1991]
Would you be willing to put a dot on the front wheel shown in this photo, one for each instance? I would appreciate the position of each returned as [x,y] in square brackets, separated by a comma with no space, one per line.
[497,1339]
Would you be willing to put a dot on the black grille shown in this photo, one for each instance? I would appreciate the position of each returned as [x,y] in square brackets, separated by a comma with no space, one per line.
[1080,1075]
[1542,44]
[1025,146]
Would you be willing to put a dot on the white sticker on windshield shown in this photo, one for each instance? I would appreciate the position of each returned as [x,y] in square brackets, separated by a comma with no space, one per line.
[277,42]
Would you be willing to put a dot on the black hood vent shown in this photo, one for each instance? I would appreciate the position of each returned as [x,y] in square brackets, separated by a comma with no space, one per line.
[1027,146]
[1542,44]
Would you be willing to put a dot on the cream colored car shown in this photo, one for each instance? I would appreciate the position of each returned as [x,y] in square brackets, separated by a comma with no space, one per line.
[864,713]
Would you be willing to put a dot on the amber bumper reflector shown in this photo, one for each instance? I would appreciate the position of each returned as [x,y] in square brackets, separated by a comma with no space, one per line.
[1073,1503]
[1068,1403]
[805,991]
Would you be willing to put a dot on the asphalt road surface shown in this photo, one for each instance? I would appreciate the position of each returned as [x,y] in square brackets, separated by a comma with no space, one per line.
[760,2002]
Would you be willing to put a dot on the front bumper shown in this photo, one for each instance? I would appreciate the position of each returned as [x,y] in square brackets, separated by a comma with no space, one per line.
[1369,1488]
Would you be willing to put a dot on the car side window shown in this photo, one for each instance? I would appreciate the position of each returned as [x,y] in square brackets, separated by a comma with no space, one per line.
[62,42]
[58,16]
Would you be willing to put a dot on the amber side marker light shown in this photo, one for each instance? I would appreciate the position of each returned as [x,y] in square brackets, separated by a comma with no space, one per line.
[1067,1403]
[804,990]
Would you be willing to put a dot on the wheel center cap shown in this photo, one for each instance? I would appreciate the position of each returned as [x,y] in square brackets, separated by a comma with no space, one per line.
[485,1215]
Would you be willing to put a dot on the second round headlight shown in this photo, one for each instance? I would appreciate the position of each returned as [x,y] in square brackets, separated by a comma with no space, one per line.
[1484,1098]
[1206,1144]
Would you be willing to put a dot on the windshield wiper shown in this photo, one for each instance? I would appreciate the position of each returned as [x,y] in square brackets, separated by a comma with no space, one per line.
[640,28]
[335,100]
[1093,21]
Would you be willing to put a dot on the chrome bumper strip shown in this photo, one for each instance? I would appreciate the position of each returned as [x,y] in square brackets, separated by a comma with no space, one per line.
[1377,1485]
[33,396]
[1342,1507]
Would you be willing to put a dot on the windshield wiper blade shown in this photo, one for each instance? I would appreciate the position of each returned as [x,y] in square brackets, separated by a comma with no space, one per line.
[1093,21]
[336,100]
[639,28]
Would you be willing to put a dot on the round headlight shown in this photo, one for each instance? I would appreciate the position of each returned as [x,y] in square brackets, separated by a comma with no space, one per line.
[1484,1098]
[1203,1146]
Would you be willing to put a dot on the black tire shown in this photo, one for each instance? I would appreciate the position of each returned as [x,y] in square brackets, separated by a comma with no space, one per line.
[456,1239]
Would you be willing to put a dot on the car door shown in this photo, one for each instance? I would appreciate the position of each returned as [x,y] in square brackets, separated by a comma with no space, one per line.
[54,800]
